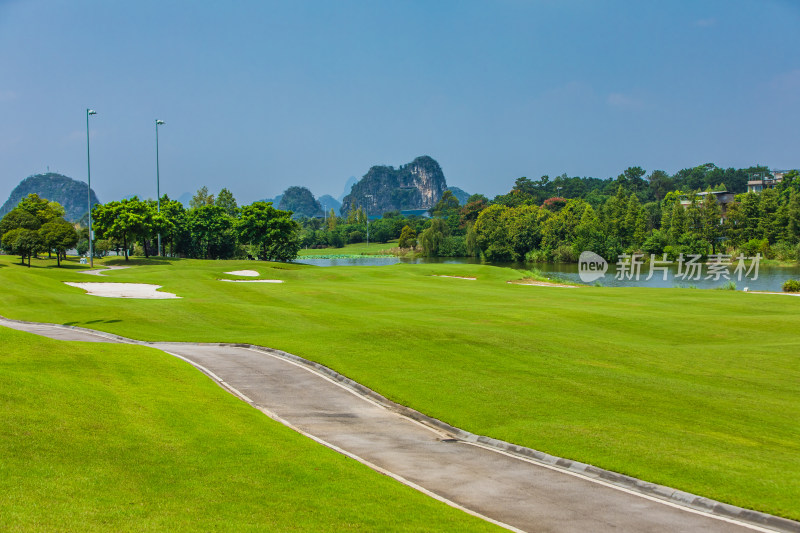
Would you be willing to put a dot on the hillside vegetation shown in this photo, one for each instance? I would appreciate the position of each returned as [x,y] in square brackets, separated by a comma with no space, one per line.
[70,193]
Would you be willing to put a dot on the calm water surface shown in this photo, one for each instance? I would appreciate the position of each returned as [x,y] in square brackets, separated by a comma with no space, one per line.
[770,278]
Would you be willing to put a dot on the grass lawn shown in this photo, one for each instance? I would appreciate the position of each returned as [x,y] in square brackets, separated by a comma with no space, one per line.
[352,250]
[99,437]
[698,390]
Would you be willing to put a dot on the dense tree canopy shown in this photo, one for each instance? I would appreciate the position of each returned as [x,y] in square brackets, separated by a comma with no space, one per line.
[271,230]
[37,225]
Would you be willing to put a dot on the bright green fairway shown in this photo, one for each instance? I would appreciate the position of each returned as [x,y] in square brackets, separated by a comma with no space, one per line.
[100,437]
[698,390]
[352,250]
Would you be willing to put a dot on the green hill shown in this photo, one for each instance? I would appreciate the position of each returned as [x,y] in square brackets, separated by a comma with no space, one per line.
[301,202]
[66,191]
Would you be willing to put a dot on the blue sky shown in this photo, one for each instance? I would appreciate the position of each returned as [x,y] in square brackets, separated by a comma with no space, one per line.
[258,96]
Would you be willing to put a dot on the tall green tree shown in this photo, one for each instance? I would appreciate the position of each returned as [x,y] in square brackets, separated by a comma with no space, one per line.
[43,209]
[59,236]
[271,230]
[23,242]
[408,237]
[793,215]
[433,237]
[201,198]
[712,221]
[660,184]
[492,234]
[227,202]
[678,225]
[768,225]
[19,218]
[211,232]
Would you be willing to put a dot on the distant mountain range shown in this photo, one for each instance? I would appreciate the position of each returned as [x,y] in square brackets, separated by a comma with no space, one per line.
[415,186]
[70,193]
[328,202]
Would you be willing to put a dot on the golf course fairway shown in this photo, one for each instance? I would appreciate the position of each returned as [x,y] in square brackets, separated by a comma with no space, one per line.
[100,437]
[695,389]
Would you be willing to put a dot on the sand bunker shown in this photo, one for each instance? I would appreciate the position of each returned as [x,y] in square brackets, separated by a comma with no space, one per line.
[142,291]
[251,273]
[456,277]
[542,284]
[770,292]
[252,280]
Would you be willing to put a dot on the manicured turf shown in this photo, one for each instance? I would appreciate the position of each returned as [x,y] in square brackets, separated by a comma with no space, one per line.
[358,249]
[99,437]
[694,389]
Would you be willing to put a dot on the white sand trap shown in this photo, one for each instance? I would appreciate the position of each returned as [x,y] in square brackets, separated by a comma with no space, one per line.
[770,292]
[543,284]
[251,273]
[252,280]
[142,291]
[456,277]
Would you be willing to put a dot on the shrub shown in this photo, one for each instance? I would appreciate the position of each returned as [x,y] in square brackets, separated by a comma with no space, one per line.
[564,254]
[756,246]
[786,251]
[408,238]
[335,239]
[453,246]
[791,285]
[537,256]
[656,243]
[355,236]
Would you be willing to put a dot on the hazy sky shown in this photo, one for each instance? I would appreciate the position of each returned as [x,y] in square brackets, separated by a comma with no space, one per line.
[258,96]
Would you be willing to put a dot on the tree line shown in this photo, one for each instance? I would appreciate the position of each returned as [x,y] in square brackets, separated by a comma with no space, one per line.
[211,228]
[37,225]
[518,226]
[544,220]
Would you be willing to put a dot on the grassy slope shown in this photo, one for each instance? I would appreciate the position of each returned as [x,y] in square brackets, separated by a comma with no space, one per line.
[698,390]
[373,248]
[119,438]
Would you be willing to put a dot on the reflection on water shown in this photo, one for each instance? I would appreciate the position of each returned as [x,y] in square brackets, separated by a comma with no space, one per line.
[770,278]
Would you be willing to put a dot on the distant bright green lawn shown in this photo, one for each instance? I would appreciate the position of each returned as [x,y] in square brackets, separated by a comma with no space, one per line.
[361,248]
[101,437]
[695,389]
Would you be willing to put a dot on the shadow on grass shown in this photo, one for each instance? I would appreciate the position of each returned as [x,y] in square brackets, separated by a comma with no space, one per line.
[91,322]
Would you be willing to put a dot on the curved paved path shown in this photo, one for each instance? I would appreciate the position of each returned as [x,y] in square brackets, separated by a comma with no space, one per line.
[515,492]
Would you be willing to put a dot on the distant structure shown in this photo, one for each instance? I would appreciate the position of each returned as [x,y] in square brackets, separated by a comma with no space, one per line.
[724,198]
[762,180]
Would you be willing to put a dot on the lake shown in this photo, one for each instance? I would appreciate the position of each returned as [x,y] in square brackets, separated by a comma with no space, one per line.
[770,277]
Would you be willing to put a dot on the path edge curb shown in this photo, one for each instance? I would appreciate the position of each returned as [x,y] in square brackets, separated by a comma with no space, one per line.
[653,490]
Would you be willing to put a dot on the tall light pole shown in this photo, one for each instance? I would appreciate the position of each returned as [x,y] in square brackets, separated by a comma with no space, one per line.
[367,213]
[89,187]
[158,183]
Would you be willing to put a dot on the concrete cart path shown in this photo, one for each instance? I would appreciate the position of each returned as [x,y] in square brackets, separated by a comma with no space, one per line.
[513,491]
